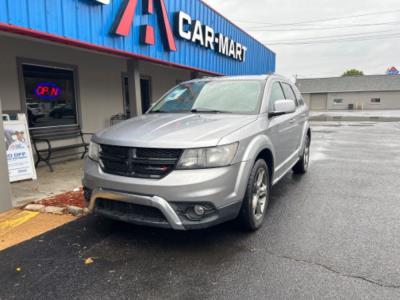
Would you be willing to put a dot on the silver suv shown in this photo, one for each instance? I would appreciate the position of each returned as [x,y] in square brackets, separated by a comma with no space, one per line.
[209,151]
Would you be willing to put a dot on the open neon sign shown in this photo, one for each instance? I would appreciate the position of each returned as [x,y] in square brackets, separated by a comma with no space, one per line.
[47,91]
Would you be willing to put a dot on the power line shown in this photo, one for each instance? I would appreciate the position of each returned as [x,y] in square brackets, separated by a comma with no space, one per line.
[357,39]
[352,35]
[261,29]
[321,20]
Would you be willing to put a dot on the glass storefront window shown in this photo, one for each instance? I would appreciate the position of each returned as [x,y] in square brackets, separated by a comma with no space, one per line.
[50,96]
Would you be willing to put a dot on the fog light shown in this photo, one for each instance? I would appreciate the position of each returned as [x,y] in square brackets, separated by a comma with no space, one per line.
[199,210]
[194,211]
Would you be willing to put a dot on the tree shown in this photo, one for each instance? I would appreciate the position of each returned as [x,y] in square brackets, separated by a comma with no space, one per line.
[353,72]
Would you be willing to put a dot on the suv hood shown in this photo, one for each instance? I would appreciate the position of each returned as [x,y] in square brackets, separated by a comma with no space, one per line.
[173,130]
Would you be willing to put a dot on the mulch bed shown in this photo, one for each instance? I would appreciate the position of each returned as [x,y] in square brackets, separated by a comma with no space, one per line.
[74,198]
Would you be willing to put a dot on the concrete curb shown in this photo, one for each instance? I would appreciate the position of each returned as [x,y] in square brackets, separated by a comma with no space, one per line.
[73,210]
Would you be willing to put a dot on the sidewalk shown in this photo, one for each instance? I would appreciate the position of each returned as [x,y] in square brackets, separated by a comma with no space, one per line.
[65,178]
[18,225]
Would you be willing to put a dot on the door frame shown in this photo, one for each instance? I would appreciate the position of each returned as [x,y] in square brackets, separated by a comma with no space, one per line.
[124,75]
[150,79]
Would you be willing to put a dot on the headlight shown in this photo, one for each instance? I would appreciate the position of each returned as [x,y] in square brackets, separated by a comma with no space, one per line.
[94,150]
[220,156]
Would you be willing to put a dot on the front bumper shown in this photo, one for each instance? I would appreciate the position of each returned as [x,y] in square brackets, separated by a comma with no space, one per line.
[152,201]
[221,188]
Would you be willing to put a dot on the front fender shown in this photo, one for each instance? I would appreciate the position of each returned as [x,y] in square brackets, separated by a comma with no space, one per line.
[256,146]
[247,154]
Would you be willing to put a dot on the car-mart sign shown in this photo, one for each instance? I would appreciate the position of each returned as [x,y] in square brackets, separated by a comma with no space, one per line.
[185,27]
[196,32]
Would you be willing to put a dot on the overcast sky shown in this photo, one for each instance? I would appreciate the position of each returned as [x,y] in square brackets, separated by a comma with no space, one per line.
[324,58]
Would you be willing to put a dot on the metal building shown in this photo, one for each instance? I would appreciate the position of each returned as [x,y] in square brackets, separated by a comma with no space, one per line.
[369,92]
[107,57]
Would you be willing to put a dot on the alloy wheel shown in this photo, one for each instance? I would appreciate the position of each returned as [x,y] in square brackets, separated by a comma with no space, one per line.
[260,193]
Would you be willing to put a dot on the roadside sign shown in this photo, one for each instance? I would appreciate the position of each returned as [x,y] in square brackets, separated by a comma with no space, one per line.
[19,150]
[392,71]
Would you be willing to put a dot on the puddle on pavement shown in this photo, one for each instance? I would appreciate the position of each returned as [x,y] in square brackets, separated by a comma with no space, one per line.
[354,118]
[361,125]
[323,131]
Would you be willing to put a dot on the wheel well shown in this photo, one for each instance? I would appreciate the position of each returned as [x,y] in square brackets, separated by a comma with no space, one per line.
[267,156]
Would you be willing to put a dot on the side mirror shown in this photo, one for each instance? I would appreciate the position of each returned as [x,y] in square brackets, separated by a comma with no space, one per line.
[282,107]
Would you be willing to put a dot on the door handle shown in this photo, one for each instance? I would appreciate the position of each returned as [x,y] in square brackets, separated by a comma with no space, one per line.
[292,121]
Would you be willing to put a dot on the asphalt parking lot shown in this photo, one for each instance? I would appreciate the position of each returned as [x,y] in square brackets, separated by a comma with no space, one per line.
[331,234]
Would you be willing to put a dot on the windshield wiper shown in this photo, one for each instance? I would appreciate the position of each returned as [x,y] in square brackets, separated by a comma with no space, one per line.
[209,111]
[158,112]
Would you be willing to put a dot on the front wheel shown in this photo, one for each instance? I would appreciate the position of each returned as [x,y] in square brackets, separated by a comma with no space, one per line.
[302,165]
[256,199]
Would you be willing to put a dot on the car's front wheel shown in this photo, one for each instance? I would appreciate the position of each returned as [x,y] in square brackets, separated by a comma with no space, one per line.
[256,199]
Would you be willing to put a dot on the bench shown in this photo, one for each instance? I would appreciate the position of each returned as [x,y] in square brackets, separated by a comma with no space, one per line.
[47,137]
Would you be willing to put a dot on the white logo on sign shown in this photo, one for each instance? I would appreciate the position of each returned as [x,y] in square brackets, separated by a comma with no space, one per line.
[103,1]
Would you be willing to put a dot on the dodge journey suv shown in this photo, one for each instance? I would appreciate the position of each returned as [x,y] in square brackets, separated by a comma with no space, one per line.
[207,152]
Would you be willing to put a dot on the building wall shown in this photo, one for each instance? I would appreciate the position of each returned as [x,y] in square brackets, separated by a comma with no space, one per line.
[100,85]
[162,78]
[389,100]
[93,23]
[5,199]
[99,78]
[318,102]
[307,98]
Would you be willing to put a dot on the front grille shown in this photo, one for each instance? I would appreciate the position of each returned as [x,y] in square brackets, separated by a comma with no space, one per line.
[132,211]
[138,162]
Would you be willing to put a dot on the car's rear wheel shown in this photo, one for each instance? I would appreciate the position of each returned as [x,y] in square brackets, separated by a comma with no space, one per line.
[302,165]
[256,200]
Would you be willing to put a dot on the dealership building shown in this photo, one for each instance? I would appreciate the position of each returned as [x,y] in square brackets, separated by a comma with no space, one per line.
[78,63]
[81,62]
[368,92]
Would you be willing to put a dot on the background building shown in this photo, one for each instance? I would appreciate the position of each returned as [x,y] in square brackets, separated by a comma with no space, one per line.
[371,92]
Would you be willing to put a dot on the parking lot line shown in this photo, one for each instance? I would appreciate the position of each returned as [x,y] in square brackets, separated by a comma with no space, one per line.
[16,220]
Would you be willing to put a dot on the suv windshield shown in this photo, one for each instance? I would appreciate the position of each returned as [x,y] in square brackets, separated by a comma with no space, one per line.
[214,96]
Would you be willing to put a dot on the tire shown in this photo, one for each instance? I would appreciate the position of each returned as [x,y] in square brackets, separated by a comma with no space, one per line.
[252,213]
[302,165]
